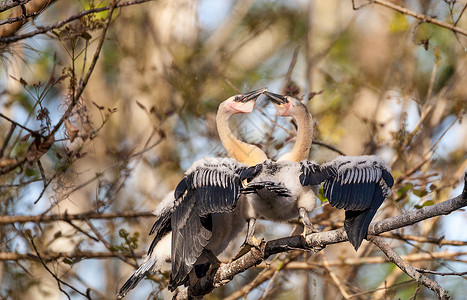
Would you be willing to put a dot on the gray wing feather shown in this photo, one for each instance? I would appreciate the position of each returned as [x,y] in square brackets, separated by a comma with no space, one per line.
[313,174]
[212,186]
[356,181]
[358,184]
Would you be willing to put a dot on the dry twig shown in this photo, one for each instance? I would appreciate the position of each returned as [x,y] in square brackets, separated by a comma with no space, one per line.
[408,269]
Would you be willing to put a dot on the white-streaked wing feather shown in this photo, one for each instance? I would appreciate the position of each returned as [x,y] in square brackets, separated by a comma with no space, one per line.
[212,185]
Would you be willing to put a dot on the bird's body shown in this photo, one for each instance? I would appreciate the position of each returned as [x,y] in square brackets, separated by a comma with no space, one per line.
[288,188]
[272,205]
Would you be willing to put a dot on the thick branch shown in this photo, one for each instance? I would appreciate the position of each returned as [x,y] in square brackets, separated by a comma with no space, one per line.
[339,235]
[226,272]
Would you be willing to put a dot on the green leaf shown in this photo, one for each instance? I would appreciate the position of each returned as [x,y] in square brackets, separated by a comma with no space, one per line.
[420,193]
[404,189]
[426,203]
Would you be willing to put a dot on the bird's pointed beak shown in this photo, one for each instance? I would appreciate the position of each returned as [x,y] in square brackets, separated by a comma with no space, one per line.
[250,95]
[276,98]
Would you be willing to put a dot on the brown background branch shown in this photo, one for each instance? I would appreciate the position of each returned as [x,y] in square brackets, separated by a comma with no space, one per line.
[408,269]
[44,29]
[33,7]
[7,4]
[73,217]
[77,255]
[421,17]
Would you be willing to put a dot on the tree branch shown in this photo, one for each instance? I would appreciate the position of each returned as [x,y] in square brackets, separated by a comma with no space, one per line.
[408,269]
[59,281]
[7,4]
[48,256]
[226,272]
[61,23]
[421,17]
[72,217]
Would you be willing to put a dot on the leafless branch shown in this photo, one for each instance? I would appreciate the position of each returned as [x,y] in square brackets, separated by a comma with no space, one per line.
[61,23]
[226,272]
[59,281]
[421,17]
[334,278]
[72,217]
[356,261]
[441,273]
[7,139]
[408,269]
[48,256]
[423,239]
[7,4]
[84,82]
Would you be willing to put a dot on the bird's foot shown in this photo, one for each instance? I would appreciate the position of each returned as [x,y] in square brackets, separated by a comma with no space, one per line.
[317,249]
[309,229]
[247,245]
[255,242]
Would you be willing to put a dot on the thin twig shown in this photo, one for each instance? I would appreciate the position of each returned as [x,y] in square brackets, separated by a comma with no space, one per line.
[7,139]
[332,148]
[334,278]
[424,239]
[82,85]
[422,17]
[441,273]
[288,75]
[59,281]
[45,29]
[19,125]
[373,260]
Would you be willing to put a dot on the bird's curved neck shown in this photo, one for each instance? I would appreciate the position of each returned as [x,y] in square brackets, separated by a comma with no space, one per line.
[240,151]
[301,149]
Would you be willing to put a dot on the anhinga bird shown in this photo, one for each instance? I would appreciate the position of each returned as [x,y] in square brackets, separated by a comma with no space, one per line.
[188,231]
[284,189]
[358,184]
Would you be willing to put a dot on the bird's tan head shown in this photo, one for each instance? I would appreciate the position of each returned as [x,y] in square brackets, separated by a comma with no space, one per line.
[243,103]
[286,106]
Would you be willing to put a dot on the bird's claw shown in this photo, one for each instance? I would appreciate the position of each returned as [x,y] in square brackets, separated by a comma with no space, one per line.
[255,242]
[247,245]
[309,229]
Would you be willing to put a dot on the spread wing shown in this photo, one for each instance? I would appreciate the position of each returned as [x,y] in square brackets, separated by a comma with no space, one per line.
[357,184]
[210,186]
[313,174]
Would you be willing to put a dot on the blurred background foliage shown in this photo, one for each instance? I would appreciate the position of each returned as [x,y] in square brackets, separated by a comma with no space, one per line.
[376,81]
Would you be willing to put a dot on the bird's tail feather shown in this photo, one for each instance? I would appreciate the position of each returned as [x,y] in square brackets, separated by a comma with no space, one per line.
[356,225]
[139,274]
